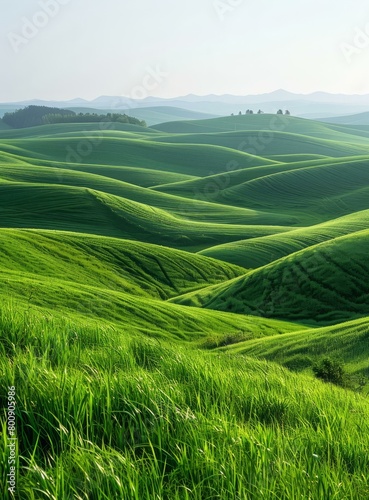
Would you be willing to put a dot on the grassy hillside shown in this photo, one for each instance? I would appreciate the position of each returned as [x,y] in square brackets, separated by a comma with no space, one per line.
[315,194]
[261,251]
[264,122]
[90,131]
[325,282]
[271,143]
[113,281]
[84,210]
[121,265]
[215,186]
[347,342]
[20,172]
[131,313]
[189,159]
[152,282]
[171,416]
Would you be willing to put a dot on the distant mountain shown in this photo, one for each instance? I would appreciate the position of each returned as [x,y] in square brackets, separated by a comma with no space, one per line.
[275,96]
[356,99]
[41,102]
[231,99]
[314,105]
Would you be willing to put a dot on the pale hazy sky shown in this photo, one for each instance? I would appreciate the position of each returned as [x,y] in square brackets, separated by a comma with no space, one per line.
[61,49]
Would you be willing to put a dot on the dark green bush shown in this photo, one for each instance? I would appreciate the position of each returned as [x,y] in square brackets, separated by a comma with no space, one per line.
[330,371]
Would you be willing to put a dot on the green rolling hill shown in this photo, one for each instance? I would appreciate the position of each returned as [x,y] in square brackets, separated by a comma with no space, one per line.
[260,123]
[80,209]
[19,172]
[325,282]
[152,282]
[215,186]
[192,188]
[299,350]
[315,194]
[272,143]
[108,149]
[134,267]
[117,282]
[261,251]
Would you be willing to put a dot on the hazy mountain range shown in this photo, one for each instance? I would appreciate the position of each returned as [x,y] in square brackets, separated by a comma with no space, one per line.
[315,105]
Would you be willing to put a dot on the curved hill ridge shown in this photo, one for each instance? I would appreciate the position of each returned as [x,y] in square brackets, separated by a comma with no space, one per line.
[215,186]
[264,122]
[182,207]
[271,143]
[315,193]
[261,251]
[79,129]
[85,210]
[189,159]
[325,282]
[132,267]
[116,282]
[347,341]
[130,314]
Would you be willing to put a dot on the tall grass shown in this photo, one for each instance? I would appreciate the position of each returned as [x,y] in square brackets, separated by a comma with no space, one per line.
[102,415]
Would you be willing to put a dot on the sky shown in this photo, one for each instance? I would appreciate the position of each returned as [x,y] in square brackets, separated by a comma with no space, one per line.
[64,49]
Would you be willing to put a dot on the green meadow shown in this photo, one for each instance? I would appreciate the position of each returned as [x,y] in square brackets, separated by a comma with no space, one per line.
[166,296]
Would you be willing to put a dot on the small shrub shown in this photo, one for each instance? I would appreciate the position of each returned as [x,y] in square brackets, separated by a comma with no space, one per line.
[330,371]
